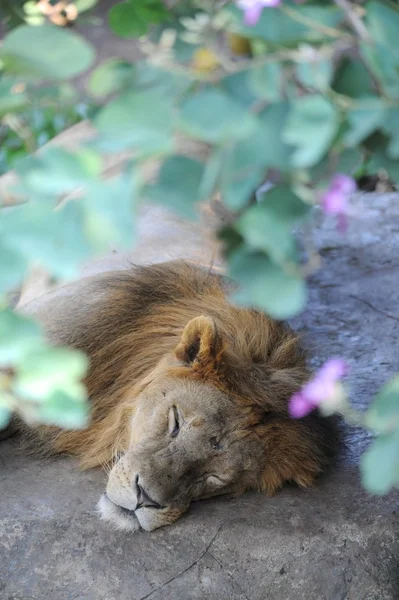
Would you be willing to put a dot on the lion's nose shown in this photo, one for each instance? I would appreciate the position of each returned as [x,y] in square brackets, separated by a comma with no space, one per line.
[143,499]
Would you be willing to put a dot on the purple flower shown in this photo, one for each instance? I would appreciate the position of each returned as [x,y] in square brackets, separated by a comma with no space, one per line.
[335,200]
[320,389]
[253,9]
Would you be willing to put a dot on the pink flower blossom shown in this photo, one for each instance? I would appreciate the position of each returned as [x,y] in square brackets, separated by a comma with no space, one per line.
[321,388]
[253,9]
[335,201]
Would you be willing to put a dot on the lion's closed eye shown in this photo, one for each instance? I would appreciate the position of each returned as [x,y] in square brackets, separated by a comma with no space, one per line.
[215,443]
[174,421]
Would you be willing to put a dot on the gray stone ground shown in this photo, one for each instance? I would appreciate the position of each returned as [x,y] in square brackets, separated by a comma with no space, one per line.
[334,542]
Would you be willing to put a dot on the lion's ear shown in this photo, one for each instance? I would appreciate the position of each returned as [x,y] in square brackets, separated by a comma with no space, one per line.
[200,342]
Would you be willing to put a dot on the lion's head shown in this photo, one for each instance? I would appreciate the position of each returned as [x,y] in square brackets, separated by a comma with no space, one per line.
[194,435]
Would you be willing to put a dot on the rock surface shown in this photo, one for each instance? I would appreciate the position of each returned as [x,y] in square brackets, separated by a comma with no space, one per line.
[334,542]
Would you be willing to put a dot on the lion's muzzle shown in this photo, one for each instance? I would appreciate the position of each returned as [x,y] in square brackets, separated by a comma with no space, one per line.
[128,506]
[144,517]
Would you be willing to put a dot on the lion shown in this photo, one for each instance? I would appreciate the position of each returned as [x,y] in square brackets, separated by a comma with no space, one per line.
[189,393]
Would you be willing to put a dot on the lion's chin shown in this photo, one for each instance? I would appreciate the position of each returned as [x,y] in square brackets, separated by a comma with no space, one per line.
[120,518]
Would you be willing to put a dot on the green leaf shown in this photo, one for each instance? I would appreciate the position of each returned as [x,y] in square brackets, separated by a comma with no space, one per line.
[268,225]
[265,285]
[13,98]
[311,126]
[266,80]
[382,57]
[384,67]
[109,212]
[238,86]
[393,149]
[13,267]
[391,128]
[45,51]
[132,19]
[51,369]
[245,165]
[18,336]
[383,414]
[139,119]
[316,74]
[368,116]
[382,20]
[272,149]
[178,185]
[58,171]
[211,174]
[215,117]
[63,410]
[352,79]
[281,29]
[380,464]
[111,76]
[349,161]
[239,184]
[165,83]
[53,239]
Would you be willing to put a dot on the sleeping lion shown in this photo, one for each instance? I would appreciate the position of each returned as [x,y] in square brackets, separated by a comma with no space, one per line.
[188,392]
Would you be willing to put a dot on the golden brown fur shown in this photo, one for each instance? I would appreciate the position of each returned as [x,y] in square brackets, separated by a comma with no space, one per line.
[143,316]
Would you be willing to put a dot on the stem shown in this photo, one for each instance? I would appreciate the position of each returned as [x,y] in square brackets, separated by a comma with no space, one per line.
[354,19]
[324,29]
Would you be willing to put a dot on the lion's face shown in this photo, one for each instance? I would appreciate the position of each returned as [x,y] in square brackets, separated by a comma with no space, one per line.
[192,435]
[188,441]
